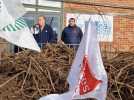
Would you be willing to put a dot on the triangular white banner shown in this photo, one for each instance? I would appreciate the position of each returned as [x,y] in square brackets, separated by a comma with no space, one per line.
[95,85]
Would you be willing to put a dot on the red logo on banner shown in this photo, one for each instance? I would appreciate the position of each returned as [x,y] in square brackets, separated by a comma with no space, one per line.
[87,81]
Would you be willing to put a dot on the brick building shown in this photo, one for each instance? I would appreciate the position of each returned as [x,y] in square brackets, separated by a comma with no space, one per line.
[123,25]
[122,10]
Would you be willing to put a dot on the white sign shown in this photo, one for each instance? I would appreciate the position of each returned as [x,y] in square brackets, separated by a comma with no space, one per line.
[104,24]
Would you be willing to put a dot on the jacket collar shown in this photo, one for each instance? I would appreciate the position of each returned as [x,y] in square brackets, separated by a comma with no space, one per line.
[72,26]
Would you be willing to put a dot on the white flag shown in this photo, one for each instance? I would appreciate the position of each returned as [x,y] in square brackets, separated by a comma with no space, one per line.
[20,35]
[87,78]
[9,11]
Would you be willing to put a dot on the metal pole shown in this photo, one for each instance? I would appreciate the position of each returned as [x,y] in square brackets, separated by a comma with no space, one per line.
[36,9]
[62,18]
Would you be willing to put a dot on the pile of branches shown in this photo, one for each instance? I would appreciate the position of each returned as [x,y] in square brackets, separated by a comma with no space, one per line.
[120,71]
[30,75]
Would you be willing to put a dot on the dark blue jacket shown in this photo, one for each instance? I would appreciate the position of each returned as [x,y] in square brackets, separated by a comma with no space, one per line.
[44,36]
[72,35]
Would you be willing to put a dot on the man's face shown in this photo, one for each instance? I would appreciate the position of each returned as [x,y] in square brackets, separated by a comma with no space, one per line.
[72,22]
[41,21]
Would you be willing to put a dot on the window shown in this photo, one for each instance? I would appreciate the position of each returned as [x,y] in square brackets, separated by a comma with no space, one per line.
[50,3]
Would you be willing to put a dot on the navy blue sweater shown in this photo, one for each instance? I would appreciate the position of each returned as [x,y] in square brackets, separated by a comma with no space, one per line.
[44,36]
[72,35]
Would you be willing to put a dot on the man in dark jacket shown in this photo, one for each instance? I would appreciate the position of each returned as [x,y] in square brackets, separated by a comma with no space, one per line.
[45,34]
[72,34]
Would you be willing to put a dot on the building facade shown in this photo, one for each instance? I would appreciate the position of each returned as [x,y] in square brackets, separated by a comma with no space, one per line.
[55,12]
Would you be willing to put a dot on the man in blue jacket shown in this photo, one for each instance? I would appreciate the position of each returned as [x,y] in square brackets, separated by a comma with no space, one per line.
[45,34]
[72,34]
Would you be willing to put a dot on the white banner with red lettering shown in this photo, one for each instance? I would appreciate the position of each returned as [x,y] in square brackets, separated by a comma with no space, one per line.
[88,75]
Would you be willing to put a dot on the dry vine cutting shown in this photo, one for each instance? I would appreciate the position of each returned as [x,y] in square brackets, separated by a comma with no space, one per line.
[29,75]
